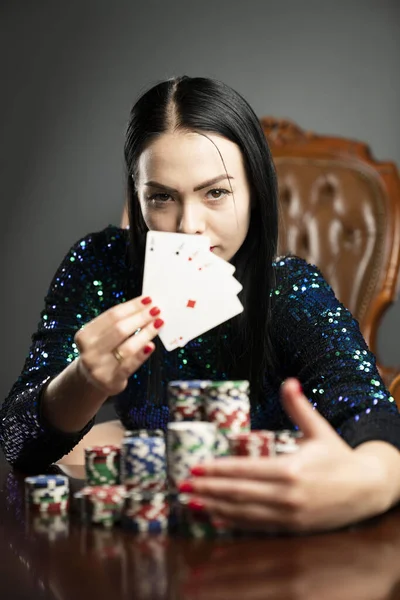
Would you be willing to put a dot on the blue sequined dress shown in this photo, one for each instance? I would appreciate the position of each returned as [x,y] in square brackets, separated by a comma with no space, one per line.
[315,337]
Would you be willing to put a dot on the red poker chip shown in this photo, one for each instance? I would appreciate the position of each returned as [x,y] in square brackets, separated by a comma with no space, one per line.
[101,451]
[148,512]
[50,507]
[225,421]
[156,486]
[104,493]
[187,412]
[252,443]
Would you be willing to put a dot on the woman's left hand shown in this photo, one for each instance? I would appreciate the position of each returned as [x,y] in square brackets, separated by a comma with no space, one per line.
[325,485]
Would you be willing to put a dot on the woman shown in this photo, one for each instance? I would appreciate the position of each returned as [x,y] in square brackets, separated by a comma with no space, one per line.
[198,163]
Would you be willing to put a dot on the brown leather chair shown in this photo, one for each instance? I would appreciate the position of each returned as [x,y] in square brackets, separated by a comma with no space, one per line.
[340,210]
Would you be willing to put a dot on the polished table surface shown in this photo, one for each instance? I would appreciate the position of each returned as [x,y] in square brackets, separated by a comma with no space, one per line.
[361,562]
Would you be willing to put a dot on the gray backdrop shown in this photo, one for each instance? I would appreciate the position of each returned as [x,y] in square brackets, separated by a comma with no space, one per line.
[70,72]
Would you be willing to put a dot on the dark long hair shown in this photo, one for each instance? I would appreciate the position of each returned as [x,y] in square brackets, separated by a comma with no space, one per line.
[209,106]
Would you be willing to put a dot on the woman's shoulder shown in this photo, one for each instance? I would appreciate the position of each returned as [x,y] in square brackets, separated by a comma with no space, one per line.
[290,268]
[99,257]
[105,249]
[111,238]
[297,279]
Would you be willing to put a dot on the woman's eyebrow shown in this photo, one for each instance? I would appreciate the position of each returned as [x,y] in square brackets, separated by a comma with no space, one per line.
[196,189]
[212,182]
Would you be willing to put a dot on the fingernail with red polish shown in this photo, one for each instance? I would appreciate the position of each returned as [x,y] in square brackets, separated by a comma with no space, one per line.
[147,349]
[146,300]
[198,471]
[155,311]
[194,504]
[158,323]
[186,487]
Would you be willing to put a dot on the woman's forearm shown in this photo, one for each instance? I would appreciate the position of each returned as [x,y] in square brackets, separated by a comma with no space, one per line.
[69,401]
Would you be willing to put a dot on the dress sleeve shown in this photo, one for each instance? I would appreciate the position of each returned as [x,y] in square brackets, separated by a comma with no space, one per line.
[320,343]
[79,291]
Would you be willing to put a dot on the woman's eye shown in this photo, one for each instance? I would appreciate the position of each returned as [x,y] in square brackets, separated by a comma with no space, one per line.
[161,198]
[218,193]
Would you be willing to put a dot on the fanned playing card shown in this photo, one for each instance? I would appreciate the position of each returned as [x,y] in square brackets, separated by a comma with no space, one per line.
[194,288]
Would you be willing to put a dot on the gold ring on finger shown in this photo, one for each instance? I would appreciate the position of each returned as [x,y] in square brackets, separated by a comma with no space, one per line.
[117,355]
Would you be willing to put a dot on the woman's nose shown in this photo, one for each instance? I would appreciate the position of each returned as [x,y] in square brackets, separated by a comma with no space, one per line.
[191,219]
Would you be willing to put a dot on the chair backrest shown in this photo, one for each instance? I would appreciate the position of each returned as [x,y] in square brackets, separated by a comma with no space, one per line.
[340,210]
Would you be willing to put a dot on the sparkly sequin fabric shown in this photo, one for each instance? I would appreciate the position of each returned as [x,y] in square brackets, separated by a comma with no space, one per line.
[315,337]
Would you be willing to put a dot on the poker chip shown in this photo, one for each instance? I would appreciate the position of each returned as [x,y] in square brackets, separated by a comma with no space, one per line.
[227,405]
[101,505]
[47,493]
[233,388]
[145,512]
[186,399]
[286,441]
[188,444]
[144,433]
[102,465]
[143,463]
[35,482]
[252,443]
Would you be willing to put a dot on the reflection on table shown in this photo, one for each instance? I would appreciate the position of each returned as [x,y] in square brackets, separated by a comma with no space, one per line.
[63,559]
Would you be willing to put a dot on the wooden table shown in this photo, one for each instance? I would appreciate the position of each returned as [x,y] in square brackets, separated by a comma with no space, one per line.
[359,563]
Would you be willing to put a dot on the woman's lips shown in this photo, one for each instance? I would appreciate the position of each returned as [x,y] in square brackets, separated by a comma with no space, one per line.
[212,248]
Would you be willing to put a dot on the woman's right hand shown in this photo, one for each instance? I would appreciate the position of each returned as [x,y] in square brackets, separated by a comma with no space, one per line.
[116,343]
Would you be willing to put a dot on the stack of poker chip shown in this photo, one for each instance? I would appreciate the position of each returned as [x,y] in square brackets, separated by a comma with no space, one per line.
[47,493]
[144,475]
[189,443]
[186,399]
[101,505]
[126,485]
[102,465]
[100,501]
[227,405]
[194,406]
[252,443]
[143,461]
[145,512]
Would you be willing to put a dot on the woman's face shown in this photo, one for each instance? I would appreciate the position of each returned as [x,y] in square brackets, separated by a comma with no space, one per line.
[183,187]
